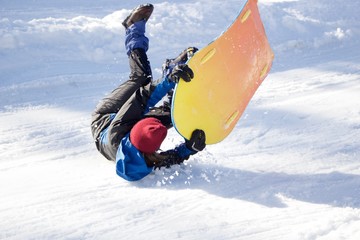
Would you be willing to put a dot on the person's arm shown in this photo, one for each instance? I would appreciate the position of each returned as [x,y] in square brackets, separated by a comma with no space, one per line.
[180,153]
[181,71]
[158,92]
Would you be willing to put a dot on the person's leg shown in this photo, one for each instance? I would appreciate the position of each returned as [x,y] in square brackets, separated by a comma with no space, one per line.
[112,103]
[140,75]
[140,71]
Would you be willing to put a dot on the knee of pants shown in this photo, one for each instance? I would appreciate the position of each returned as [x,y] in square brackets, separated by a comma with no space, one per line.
[140,79]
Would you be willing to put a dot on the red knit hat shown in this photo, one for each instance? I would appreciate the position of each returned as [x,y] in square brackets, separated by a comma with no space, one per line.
[148,134]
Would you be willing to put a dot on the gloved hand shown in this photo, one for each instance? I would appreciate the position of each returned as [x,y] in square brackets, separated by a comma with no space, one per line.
[163,159]
[197,141]
[181,71]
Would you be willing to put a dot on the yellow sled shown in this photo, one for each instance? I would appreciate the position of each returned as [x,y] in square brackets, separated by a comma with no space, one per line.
[227,72]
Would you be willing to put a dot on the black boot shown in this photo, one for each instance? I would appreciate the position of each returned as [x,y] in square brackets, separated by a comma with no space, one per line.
[183,57]
[141,12]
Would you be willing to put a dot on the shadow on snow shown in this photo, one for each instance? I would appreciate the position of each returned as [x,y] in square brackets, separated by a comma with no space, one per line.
[336,189]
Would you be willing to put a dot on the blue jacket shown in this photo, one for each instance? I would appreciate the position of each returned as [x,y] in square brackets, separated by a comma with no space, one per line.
[130,162]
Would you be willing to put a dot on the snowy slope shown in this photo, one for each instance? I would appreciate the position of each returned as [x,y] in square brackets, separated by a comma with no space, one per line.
[289,170]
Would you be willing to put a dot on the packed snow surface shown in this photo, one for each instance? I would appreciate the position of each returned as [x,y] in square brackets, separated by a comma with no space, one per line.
[289,170]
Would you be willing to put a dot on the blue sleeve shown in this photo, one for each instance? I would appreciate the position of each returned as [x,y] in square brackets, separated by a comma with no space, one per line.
[183,151]
[130,164]
[159,92]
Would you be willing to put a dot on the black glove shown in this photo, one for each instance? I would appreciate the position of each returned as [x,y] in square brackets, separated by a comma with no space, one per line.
[181,71]
[163,159]
[197,141]
[171,158]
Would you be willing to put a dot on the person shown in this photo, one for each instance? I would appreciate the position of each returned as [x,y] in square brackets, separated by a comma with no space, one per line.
[128,126]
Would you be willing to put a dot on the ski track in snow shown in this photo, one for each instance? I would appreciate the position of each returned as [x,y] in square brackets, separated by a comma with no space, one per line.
[289,170]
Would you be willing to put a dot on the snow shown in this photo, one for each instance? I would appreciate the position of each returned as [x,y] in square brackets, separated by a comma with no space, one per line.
[289,170]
